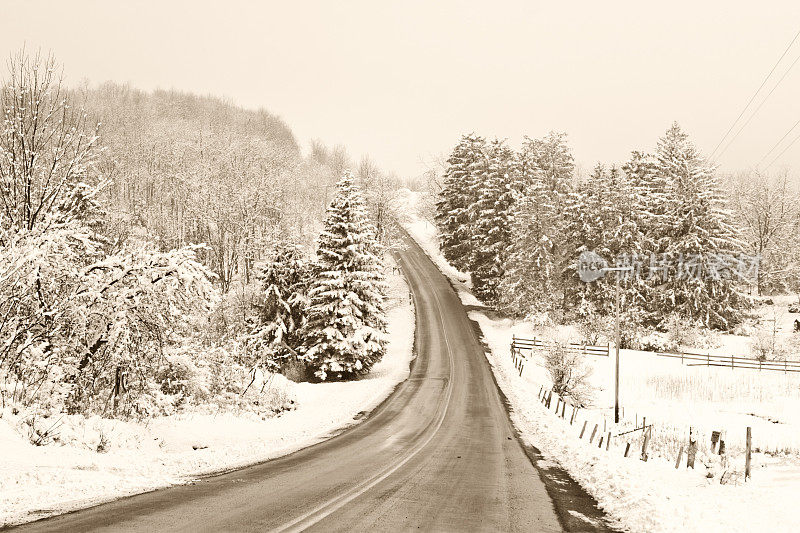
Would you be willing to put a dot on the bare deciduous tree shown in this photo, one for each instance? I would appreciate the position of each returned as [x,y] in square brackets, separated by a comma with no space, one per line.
[768,210]
[47,147]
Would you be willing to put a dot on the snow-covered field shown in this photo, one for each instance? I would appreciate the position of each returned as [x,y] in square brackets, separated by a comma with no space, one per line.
[653,495]
[37,481]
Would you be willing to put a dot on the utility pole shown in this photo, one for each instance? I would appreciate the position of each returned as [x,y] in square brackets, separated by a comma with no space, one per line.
[590,268]
[616,362]
[618,270]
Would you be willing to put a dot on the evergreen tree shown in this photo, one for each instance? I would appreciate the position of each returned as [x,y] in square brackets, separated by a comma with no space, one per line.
[462,177]
[280,309]
[491,217]
[533,270]
[531,267]
[694,234]
[602,215]
[347,323]
[550,160]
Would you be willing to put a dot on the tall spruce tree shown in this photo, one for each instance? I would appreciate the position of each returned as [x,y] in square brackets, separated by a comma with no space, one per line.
[491,217]
[694,232]
[602,215]
[531,266]
[466,167]
[345,335]
[533,271]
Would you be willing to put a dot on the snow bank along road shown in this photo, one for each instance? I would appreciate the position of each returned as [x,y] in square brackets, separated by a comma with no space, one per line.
[439,454]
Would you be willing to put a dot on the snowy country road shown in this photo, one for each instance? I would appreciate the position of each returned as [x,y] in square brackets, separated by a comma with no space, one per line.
[440,454]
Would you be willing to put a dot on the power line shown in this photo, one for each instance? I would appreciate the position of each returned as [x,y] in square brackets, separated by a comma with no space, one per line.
[783,152]
[778,143]
[759,107]
[796,35]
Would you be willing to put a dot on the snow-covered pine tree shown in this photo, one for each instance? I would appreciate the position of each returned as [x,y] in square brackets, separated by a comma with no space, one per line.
[648,201]
[280,311]
[466,166]
[491,218]
[583,229]
[695,232]
[601,215]
[649,196]
[344,336]
[533,269]
[551,159]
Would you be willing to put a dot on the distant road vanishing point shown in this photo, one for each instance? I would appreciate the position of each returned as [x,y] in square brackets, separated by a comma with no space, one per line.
[440,454]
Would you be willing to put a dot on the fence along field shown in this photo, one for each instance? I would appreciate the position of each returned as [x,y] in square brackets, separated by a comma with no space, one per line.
[680,431]
[521,344]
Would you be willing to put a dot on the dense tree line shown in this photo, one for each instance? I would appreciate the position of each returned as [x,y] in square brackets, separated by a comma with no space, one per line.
[518,222]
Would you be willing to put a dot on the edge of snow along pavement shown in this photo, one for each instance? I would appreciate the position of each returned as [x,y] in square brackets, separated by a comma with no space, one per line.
[636,496]
[37,482]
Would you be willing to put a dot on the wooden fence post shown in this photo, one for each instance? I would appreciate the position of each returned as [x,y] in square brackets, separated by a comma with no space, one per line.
[627,449]
[584,428]
[691,452]
[678,460]
[594,432]
[600,443]
[645,443]
[608,441]
[574,412]
[748,447]
[563,409]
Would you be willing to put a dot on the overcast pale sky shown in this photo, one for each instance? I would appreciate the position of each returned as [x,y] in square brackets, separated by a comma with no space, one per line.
[402,80]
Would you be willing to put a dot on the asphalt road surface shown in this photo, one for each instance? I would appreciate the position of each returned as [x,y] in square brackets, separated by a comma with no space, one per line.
[440,454]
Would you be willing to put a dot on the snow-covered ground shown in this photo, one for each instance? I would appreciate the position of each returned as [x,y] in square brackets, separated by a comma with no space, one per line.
[37,481]
[653,495]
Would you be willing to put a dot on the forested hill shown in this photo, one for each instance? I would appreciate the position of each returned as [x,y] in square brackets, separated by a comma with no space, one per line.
[186,169]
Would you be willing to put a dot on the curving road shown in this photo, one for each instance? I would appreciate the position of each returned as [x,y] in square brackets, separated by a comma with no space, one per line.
[440,454]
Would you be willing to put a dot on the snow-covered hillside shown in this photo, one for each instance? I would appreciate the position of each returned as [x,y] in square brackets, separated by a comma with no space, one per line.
[37,481]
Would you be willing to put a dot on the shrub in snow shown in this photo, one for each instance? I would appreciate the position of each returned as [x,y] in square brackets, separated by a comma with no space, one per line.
[656,341]
[595,329]
[568,371]
[766,344]
[224,378]
[344,336]
[683,333]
